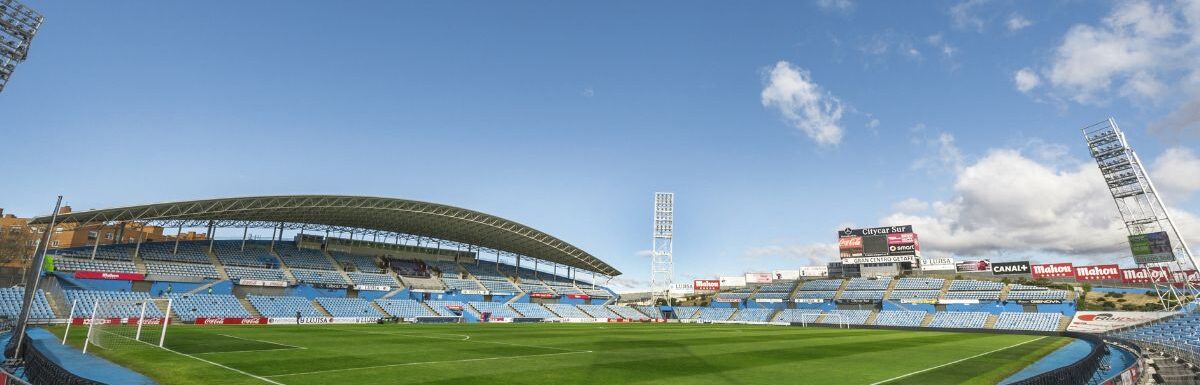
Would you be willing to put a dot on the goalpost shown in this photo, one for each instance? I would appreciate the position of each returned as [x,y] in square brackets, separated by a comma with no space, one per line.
[113,324]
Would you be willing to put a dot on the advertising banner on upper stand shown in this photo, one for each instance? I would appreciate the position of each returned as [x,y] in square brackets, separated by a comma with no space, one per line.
[781,275]
[706,285]
[1053,270]
[937,264]
[974,266]
[814,271]
[1010,268]
[1097,273]
[758,278]
[1142,275]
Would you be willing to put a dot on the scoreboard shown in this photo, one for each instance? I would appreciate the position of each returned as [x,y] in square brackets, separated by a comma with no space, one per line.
[889,244]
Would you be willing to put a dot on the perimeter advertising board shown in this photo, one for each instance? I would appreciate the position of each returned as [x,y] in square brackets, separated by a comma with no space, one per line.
[1010,268]
[1053,270]
[814,271]
[1097,273]
[758,278]
[880,259]
[108,275]
[786,274]
[1103,321]
[1144,275]
[974,266]
[937,264]
[1151,248]
[733,281]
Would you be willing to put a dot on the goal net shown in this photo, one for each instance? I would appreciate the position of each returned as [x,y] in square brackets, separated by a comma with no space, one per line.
[114,324]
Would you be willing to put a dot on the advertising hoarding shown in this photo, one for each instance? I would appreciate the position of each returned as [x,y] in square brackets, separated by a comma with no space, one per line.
[937,264]
[1053,270]
[974,266]
[786,274]
[706,285]
[880,259]
[733,282]
[758,278]
[1010,268]
[1103,321]
[260,282]
[107,275]
[901,239]
[1097,272]
[1141,275]
[814,271]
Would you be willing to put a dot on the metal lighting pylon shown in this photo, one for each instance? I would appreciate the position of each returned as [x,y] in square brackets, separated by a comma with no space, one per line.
[1141,209]
[662,263]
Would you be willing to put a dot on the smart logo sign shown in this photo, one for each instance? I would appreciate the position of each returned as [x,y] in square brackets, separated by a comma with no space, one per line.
[878,242]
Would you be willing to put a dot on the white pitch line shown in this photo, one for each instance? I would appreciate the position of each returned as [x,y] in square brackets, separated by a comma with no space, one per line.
[955,361]
[467,339]
[429,363]
[264,379]
[265,342]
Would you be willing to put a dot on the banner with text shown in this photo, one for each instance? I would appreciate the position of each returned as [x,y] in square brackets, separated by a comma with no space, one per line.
[1053,270]
[733,282]
[1010,268]
[706,285]
[758,277]
[1097,272]
[1103,321]
[1151,248]
[974,266]
[937,264]
[108,275]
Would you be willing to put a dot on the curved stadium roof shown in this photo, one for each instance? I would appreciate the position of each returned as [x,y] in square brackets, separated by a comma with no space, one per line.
[343,213]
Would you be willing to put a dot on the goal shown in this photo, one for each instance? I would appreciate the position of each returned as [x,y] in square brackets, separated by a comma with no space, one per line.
[113,324]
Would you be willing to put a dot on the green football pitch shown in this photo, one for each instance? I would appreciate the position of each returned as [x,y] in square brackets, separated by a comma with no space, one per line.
[609,354]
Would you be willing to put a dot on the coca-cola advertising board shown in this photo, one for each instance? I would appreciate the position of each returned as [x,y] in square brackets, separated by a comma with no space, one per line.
[231,320]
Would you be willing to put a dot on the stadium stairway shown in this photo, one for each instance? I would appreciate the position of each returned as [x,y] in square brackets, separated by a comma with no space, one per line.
[427,307]
[249,307]
[378,308]
[204,287]
[875,314]
[887,293]
[393,293]
[991,321]
[1063,323]
[945,288]
[1004,292]
[212,258]
[322,310]
[841,289]
[139,264]
[928,318]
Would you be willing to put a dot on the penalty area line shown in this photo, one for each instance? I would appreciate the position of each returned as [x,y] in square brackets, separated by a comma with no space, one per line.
[428,363]
[261,378]
[265,342]
[955,361]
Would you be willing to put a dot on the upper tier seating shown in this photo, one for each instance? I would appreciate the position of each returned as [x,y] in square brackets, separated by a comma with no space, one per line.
[348,307]
[190,306]
[498,286]
[104,265]
[863,295]
[816,294]
[87,298]
[733,296]
[771,296]
[319,276]
[798,315]
[920,284]
[284,307]
[563,288]
[868,284]
[567,310]
[1181,333]
[715,314]
[372,279]
[914,294]
[446,268]
[532,310]
[753,315]
[423,283]
[11,299]
[1046,322]
[822,285]
[852,317]
[651,311]
[1037,294]
[183,269]
[685,312]
[535,288]
[121,252]
[627,312]
[979,295]
[971,285]
[900,318]
[598,292]
[778,287]
[230,253]
[254,273]
[958,319]
[404,308]
[447,308]
[361,263]
[483,269]
[1018,286]
[189,251]
[598,311]
[302,258]
[461,284]
[498,309]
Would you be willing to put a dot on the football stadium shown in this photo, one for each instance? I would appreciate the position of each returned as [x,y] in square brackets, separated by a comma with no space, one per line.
[336,193]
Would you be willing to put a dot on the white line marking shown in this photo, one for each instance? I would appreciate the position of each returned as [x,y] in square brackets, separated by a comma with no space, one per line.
[955,361]
[265,342]
[429,363]
[264,379]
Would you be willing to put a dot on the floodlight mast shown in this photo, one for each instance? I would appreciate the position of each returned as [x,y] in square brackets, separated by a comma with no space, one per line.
[1142,210]
[18,25]
[662,262]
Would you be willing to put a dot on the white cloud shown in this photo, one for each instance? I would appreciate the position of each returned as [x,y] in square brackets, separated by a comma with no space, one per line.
[1176,174]
[1016,22]
[1026,80]
[803,103]
[796,254]
[1010,205]
[588,92]
[942,154]
[1133,46]
[873,123]
[947,50]
[844,6]
[963,15]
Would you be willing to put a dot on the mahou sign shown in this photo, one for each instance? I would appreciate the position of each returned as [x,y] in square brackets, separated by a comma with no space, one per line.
[1053,270]
[1097,273]
[706,285]
[1143,275]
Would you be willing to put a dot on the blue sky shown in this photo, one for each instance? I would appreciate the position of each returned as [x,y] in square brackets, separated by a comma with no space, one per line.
[775,124]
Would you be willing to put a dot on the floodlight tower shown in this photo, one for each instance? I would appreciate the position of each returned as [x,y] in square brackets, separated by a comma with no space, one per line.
[662,263]
[18,25]
[1142,210]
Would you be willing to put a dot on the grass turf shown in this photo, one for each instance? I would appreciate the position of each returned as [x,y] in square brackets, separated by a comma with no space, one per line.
[573,354]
